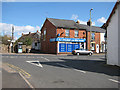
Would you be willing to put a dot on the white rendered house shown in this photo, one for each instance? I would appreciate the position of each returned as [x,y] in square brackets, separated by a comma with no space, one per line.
[113,36]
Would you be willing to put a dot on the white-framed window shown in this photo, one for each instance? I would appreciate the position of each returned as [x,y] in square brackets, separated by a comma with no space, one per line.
[76,33]
[93,36]
[93,46]
[44,38]
[67,33]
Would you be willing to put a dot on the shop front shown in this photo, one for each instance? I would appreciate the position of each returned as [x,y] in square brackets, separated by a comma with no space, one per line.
[67,45]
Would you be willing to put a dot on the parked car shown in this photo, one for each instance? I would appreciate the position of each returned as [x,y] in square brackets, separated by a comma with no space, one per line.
[79,51]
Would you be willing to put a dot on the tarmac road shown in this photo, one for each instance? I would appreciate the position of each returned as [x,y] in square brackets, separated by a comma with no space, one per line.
[64,71]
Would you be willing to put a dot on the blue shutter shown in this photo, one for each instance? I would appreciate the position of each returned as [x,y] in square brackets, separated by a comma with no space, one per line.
[75,46]
[62,47]
[69,47]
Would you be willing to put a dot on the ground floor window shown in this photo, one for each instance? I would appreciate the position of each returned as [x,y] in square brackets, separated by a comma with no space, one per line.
[35,44]
[82,45]
[93,46]
[69,47]
[102,47]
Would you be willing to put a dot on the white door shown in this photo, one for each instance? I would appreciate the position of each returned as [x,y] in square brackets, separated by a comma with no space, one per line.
[97,48]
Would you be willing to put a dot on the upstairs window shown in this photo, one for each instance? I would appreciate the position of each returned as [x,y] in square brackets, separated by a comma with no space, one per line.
[76,33]
[92,36]
[44,35]
[67,33]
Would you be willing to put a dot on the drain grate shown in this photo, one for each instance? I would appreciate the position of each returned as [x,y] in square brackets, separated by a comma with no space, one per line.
[59,81]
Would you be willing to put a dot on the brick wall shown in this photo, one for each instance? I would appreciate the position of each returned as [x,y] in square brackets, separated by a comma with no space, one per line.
[97,40]
[4,48]
[72,33]
[52,31]
[47,46]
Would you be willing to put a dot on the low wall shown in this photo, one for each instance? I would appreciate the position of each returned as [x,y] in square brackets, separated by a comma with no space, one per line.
[4,48]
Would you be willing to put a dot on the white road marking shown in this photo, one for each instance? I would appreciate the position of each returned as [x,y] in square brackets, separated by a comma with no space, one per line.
[26,80]
[114,80]
[45,58]
[79,70]
[71,68]
[39,65]
[63,65]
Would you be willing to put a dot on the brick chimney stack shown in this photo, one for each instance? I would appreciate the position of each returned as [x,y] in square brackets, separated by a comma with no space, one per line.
[29,32]
[89,23]
[22,34]
[78,22]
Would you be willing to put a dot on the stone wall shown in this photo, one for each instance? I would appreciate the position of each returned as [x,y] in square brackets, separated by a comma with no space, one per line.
[24,48]
[4,48]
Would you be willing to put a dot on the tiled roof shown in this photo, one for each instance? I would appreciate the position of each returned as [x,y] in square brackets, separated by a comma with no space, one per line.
[93,28]
[70,24]
[30,35]
[61,23]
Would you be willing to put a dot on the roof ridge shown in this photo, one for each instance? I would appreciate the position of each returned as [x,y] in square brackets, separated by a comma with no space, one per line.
[60,19]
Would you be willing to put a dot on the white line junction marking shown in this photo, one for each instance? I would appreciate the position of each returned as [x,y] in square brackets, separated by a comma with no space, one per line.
[71,68]
[58,64]
[45,58]
[33,62]
[114,80]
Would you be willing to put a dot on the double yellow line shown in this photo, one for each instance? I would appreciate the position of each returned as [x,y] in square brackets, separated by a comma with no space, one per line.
[19,70]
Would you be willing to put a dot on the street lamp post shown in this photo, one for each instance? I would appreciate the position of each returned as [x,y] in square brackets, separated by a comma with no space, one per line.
[12,38]
[90,27]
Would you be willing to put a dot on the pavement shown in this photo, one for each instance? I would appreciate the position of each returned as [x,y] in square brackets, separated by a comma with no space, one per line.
[44,54]
[13,80]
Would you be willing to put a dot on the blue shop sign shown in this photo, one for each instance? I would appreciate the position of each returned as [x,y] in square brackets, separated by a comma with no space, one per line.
[67,40]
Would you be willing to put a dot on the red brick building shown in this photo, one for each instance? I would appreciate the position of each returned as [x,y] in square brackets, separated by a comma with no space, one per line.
[63,36]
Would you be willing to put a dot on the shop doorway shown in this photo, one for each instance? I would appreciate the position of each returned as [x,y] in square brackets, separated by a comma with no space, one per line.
[97,48]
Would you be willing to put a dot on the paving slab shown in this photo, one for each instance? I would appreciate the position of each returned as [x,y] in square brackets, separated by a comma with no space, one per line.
[13,80]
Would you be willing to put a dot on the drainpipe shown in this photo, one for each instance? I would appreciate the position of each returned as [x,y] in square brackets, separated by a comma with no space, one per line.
[86,40]
[106,47]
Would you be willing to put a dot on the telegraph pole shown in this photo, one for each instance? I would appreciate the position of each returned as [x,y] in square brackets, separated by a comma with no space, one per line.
[90,28]
[12,39]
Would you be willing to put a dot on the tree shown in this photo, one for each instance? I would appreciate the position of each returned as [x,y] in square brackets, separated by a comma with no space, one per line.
[27,41]
[5,39]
